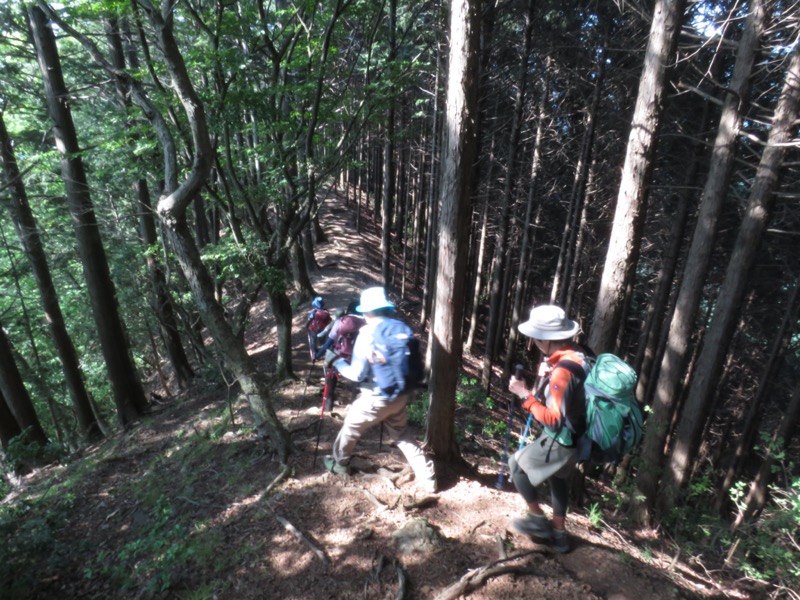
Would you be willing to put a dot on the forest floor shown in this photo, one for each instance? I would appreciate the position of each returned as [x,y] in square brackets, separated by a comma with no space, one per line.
[182,506]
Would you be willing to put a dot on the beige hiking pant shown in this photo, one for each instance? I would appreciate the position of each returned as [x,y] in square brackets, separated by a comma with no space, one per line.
[370,409]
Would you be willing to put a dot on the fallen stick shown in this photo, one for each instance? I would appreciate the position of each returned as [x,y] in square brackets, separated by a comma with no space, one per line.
[474,579]
[299,535]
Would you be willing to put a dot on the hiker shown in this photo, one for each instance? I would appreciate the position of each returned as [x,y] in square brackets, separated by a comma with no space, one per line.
[553,456]
[374,404]
[341,340]
[316,322]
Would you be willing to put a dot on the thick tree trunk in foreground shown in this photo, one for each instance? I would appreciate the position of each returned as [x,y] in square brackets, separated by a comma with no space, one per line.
[456,184]
[128,392]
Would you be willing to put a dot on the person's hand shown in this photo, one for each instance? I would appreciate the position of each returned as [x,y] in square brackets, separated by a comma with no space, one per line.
[330,356]
[518,387]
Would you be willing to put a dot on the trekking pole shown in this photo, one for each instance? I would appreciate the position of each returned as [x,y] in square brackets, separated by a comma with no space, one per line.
[305,386]
[321,415]
[511,406]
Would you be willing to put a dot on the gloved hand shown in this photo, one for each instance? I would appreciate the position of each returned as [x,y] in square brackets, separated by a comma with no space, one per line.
[518,387]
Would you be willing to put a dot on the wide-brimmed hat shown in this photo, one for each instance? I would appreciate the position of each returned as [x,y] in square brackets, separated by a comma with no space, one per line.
[549,322]
[373,299]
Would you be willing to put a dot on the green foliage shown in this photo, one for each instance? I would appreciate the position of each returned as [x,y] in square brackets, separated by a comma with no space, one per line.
[767,549]
[418,409]
[494,428]
[595,515]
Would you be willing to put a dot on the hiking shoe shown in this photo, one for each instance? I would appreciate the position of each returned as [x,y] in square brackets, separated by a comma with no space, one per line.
[534,525]
[560,541]
[334,467]
[429,486]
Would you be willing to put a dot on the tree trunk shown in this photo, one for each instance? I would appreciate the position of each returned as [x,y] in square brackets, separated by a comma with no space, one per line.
[128,393]
[163,305]
[733,288]
[498,295]
[16,396]
[671,372]
[9,428]
[630,211]
[31,240]
[456,185]
[387,206]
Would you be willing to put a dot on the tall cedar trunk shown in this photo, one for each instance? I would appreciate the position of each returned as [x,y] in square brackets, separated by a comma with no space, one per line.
[388,164]
[128,393]
[623,249]
[458,160]
[16,396]
[28,232]
[683,321]
[163,305]
[570,256]
[657,314]
[9,428]
[499,287]
[733,287]
[433,178]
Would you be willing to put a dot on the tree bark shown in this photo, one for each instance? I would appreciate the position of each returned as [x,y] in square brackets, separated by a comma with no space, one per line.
[16,396]
[630,211]
[28,232]
[456,185]
[128,392]
[715,346]
[673,363]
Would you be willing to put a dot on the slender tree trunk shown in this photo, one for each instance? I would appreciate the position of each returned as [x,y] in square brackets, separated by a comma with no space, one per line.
[163,305]
[498,293]
[459,154]
[128,392]
[683,321]
[29,236]
[733,288]
[631,206]
[388,163]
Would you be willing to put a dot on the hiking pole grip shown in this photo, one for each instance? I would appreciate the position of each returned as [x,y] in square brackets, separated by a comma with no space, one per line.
[511,406]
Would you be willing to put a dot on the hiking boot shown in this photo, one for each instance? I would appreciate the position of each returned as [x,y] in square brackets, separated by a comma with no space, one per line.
[334,467]
[533,525]
[560,541]
[429,486]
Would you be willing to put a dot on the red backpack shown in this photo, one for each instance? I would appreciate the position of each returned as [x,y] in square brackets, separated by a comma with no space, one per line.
[319,320]
[347,331]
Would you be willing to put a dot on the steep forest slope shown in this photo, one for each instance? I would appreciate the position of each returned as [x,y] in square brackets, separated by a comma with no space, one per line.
[189,504]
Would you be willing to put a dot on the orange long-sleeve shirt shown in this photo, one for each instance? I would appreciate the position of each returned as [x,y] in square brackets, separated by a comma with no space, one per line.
[548,407]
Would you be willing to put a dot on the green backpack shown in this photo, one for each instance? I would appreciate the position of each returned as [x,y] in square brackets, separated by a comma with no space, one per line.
[613,416]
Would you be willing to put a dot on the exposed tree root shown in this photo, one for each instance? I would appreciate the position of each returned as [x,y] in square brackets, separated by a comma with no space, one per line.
[477,577]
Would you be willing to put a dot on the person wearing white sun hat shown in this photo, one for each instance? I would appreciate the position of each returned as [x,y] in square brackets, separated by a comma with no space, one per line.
[374,405]
[559,397]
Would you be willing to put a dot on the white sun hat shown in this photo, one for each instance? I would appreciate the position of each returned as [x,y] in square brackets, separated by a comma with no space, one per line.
[373,299]
[549,322]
